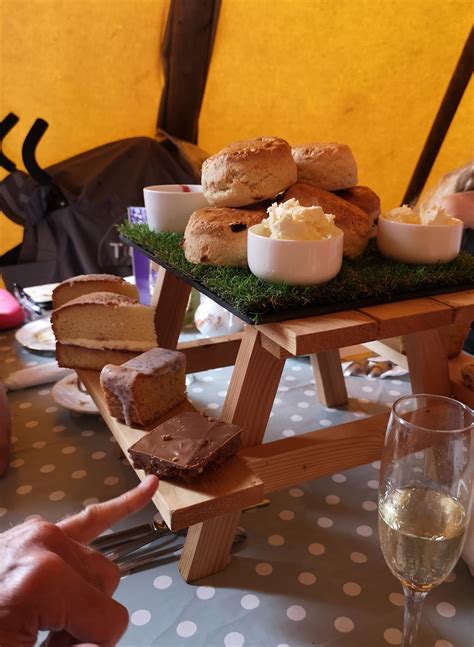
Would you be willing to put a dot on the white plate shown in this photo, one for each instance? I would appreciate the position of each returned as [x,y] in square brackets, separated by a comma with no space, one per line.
[41,293]
[66,393]
[37,335]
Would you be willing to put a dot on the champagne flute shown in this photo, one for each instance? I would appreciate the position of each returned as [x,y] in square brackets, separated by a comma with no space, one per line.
[424,495]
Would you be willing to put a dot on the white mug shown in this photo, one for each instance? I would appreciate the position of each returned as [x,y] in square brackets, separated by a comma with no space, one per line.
[169,206]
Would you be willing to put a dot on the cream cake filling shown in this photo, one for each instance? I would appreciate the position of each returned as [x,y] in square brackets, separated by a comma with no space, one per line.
[110,344]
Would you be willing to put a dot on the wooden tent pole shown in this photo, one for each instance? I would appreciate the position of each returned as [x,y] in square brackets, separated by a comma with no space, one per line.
[186,55]
[443,119]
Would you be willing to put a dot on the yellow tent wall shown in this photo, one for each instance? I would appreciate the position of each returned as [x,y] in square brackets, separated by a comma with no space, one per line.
[91,68]
[370,73]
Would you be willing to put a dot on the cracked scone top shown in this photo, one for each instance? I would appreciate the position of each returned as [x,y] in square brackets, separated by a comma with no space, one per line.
[246,172]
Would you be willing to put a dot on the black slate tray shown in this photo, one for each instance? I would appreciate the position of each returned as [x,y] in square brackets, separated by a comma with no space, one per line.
[289,313]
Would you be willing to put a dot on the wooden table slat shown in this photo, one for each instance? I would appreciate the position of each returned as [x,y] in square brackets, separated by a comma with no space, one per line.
[228,488]
[321,333]
[404,317]
[461,302]
[289,461]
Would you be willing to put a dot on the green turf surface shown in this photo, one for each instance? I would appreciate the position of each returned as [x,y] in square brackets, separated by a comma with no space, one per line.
[371,278]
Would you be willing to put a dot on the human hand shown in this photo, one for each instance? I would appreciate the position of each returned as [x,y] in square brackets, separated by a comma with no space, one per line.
[460,205]
[51,580]
[5,429]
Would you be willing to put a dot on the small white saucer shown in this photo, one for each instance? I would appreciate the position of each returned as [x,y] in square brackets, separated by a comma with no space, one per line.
[66,393]
[37,335]
[41,293]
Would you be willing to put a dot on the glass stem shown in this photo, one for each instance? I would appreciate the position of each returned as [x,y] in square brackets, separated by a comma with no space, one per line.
[411,618]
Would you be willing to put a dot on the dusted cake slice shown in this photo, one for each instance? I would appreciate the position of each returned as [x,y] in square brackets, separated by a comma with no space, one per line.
[146,387]
[184,446]
[78,286]
[101,328]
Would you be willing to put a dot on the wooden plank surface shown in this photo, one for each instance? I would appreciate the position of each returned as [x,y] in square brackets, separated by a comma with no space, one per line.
[248,403]
[170,300]
[427,362]
[290,461]
[325,332]
[329,378]
[228,488]
[405,317]
[252,388]
[387,352]
[210,352]
[207,547]
[462,304]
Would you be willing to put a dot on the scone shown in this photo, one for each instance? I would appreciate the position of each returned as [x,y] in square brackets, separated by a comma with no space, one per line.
[248,171]
[327,166]
[218,235]
[367,200]
[354,222]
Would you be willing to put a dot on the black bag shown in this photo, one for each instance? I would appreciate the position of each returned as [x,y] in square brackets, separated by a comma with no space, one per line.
[70,215]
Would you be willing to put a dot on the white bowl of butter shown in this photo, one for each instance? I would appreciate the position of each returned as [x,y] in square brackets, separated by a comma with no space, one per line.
[295,245]
[425,237]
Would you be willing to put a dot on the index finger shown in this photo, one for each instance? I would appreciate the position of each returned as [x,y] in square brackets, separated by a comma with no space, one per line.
[96,518]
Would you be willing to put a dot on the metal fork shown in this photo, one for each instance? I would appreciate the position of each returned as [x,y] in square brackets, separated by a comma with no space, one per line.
[134,547]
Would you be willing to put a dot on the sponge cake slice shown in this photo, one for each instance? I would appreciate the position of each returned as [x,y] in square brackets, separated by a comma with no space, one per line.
[102,328]
[78,286]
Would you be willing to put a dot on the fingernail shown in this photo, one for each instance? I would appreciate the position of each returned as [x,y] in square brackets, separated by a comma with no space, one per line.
[149,479]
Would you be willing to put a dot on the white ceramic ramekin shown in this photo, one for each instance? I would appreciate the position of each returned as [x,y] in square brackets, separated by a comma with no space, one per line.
[296,262]
[424,244]
[169,206]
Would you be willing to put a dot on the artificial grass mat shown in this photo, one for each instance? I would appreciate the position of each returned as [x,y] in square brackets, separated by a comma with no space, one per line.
[370,279]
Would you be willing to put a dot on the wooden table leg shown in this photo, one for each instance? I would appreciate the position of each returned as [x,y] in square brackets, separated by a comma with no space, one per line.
[207,547]
[252,388]
[427,363]
[329,378]
[170,300]
[248,403]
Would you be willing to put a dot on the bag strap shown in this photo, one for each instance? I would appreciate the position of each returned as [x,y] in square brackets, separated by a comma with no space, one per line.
[28,152]
[186,54]
[5,126]
[55,198]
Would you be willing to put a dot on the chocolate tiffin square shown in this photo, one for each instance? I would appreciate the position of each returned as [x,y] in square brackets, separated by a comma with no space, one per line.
[184,446]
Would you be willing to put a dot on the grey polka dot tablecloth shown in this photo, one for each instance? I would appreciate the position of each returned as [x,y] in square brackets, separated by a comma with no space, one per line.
[310,572]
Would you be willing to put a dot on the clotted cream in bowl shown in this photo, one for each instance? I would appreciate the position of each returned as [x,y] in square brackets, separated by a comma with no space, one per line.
[296,245]
[428,236]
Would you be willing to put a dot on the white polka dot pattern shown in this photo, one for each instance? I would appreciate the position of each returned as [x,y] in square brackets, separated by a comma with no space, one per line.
[162,582]
[263,568]
[296,613]
[392,636]
[344,625]
[234,639]
[249,602]
[140,617]
[305,574]
[446,610]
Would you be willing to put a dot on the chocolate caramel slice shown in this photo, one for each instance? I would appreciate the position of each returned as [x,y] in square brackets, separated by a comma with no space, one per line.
[184,446]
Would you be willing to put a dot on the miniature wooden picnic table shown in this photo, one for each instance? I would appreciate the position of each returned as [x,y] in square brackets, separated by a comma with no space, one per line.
[211,506]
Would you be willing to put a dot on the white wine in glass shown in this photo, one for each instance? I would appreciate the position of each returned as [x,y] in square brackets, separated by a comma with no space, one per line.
[424,495]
